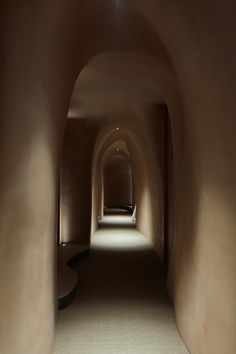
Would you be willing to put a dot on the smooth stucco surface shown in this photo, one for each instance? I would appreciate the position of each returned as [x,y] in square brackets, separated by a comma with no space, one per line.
[181,53]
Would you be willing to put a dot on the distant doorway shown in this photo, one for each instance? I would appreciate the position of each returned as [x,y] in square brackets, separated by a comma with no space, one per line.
[119,190]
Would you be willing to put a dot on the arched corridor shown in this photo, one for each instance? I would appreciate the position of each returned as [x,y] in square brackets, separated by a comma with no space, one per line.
[84,85]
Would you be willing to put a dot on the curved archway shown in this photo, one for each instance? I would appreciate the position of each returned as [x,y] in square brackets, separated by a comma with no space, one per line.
[148,185]
[118,182]
[200,39]
[136,101]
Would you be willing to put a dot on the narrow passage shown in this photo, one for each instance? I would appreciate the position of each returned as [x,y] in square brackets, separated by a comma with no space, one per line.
[122,306]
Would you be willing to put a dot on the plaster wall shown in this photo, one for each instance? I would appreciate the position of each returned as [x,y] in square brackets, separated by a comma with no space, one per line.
[200,38]
[158,124]
[45,45]
[33,108]
[76,180]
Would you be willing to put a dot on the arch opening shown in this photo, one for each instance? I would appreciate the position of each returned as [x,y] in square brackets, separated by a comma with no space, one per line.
[118,180]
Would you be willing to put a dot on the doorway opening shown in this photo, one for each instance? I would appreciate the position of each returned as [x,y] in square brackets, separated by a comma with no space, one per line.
[119,192]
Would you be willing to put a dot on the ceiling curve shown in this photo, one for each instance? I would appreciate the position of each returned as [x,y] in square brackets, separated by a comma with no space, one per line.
[118,83]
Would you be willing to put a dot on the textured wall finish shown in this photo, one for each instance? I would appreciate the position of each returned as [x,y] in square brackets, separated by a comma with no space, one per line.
[181,53]
[34,101]
[200,38]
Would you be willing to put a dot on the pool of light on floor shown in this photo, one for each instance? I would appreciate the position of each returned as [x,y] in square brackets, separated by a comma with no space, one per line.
[124,239]
[121,220]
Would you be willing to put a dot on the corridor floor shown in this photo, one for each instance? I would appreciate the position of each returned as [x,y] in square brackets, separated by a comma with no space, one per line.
[121,306]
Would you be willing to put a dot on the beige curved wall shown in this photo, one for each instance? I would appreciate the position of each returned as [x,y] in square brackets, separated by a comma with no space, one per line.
[35,93]
[45,46]
[75,180]
[200,38]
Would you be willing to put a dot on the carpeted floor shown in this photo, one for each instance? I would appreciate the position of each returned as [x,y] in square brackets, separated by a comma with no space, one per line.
[121,306]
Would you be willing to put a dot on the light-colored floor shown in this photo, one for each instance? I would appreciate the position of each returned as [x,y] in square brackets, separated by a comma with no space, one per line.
[121,306]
